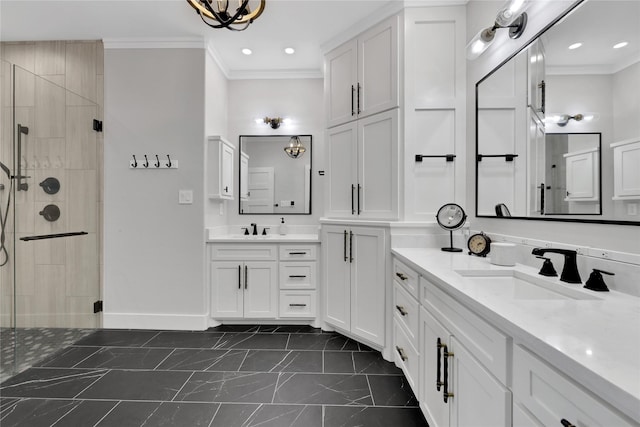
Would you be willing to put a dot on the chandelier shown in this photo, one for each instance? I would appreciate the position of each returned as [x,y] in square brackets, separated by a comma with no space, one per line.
[221,14]
[295,148]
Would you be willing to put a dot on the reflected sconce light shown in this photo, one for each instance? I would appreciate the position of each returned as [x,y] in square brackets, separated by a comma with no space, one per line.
[295,148]
[273,122]
[220,14]
[511,16]
[563,119]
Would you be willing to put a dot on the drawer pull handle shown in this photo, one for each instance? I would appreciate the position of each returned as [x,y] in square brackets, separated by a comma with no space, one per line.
[445,390]
[402,310]
[239,277]
[246,277]
[297,305]
[401,276]
[297,276]
[297,253]
[402,354]
[439,345]
[566,423]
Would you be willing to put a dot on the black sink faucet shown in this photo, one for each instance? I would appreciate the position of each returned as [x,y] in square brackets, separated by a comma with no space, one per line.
[254,228]
[570,272]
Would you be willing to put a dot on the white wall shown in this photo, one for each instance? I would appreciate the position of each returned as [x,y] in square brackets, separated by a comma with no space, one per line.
[480,14]
[626,104]
[300,100]
[154,248]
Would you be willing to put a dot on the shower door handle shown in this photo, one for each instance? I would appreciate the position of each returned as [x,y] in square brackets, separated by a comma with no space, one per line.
[21,186]
[53,236]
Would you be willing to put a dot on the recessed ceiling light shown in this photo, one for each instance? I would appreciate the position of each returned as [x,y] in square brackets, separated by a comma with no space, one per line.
[247,51]
[575,46]
[289,51]
[619,45]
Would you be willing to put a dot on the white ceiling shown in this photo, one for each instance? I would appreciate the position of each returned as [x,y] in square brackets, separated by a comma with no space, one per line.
[305,25]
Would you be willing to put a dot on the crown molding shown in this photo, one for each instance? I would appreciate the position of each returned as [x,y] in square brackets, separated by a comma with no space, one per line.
[154,43]
[213,53]
[274,74]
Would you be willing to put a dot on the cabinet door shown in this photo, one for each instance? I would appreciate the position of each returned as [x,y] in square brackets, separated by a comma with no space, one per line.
[340,188]
[626,176]
[368,278]
[377,192]
[336,276]
[378,68]
[478,398]
[582,176]
[260,290]
[226,289]
[227,171]
[340,84]
[433,406]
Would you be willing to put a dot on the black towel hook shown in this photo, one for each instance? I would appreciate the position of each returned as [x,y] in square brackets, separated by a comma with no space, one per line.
[135,162]
[169,164]
[146,161]
[157,163]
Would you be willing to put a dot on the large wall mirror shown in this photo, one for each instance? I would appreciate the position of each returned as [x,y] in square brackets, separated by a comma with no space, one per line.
[558,123]
[274,180]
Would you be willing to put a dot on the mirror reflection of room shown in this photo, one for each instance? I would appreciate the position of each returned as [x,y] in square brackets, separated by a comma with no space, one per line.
[275,174]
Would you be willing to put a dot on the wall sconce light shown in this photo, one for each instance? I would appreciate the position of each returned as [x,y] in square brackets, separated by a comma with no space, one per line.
[273,122]
[511,16]
[295,148]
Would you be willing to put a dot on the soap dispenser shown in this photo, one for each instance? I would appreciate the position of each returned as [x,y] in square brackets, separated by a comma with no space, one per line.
[283,227]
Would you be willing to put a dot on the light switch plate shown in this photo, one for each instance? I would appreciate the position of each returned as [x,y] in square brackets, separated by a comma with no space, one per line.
[632,209]
[185,197]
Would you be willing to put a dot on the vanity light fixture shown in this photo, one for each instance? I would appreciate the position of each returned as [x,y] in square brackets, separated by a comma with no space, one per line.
[511,16]
[220,14]
[273,122]
[295,148]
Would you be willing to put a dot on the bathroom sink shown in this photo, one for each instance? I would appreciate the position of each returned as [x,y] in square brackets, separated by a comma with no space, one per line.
[519,285]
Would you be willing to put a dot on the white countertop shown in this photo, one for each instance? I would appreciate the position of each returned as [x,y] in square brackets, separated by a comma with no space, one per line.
[596,342]
[270,238]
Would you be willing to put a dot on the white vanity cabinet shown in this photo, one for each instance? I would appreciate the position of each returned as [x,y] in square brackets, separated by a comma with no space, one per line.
[219,156]
[362,168]
[463,365]
[298,278]
[354,277]
[544,397]
[583,175]
[361,76]
[626,174]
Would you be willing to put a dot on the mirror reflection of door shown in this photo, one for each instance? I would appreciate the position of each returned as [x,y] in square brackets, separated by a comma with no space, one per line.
[261,191]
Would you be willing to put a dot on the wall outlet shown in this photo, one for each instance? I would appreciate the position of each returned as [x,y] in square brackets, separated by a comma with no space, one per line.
[632,209]
[185,197]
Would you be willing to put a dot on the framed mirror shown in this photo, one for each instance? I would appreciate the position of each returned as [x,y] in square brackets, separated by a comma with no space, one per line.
[275,174]
[549,118]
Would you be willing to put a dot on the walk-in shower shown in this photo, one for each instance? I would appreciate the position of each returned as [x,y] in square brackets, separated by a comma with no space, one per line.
[50,199]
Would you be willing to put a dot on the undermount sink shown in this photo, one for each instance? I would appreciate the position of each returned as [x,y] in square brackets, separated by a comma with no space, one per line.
[516,284]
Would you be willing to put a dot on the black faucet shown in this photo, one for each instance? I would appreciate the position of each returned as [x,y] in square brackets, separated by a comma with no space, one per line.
[570,272]
[254,229]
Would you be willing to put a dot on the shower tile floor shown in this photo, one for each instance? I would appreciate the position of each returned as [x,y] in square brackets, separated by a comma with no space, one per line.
[21,348]
[269,376]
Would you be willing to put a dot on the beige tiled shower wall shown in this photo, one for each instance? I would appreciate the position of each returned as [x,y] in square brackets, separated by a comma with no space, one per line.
[58,95]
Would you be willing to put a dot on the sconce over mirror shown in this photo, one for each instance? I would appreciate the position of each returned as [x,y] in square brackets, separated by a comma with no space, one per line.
[547,117]
[273,180]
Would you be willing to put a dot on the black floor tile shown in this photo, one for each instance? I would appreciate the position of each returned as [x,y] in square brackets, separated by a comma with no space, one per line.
[174,339]
[235,328]
[242,387]
[87,413]
[68,357]
[389,390]
[7,404]
[37,412]
[137,385]
[253,341]
[183,414]
[245,415]
[203,360]
[344,416]
[289,329]
[339,362]
[373,363]
[50,382]
[331,389]
[321,342]
[282,361]
[126,358]
[117,338]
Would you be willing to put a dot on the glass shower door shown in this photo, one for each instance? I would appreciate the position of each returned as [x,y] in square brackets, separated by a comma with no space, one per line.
[55,225]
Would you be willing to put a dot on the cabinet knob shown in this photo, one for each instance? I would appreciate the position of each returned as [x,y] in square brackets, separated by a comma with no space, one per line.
[566,423]
[402,310]
[402,354]
[401,276]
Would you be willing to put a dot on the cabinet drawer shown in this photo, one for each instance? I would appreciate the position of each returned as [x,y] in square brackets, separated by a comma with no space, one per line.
[406,277]
[485,342]
[299,304]
[406,356]
[244,252]
[551,397]
[297,252]
[405,309]
[298,275]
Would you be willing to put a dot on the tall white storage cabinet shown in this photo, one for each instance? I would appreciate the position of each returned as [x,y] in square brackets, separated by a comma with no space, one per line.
[220,155]
[354,270]
[362,75]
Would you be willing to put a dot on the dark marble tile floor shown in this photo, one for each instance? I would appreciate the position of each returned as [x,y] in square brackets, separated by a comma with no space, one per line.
[270,376]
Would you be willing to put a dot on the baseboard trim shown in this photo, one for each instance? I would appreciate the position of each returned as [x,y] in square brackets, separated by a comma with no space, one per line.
[177,322]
